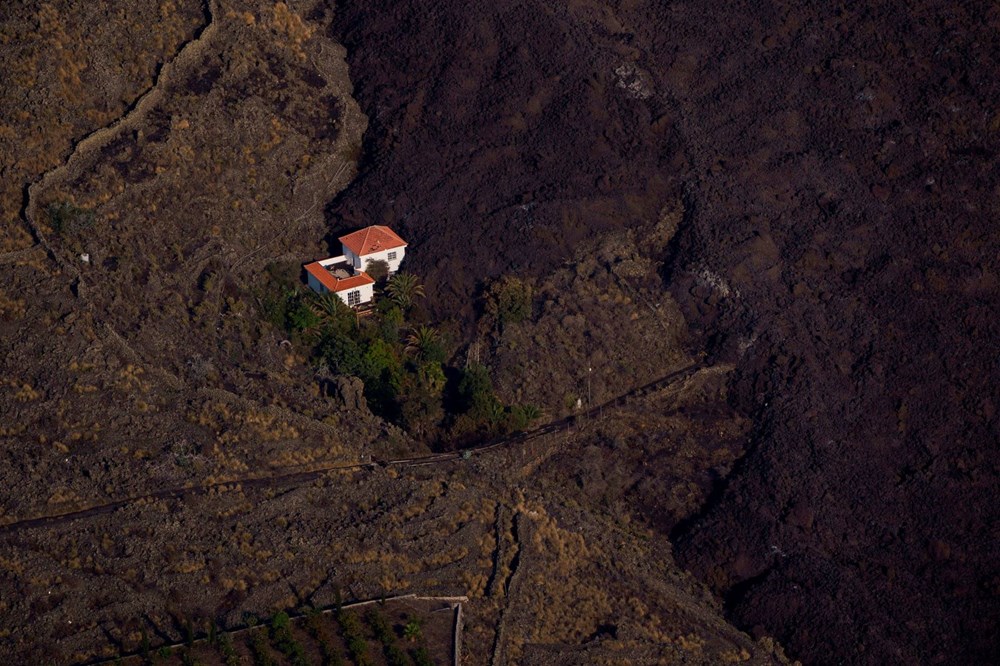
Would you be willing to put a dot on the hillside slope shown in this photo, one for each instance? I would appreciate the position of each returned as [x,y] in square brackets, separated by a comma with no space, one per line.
[161,438]
[839,171]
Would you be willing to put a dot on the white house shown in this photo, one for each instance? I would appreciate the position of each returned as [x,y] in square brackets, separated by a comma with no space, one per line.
[344,275]
[337,275]
[374,243]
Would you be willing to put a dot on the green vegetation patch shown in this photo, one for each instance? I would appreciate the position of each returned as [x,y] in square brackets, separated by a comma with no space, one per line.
[402,361]
[68,219]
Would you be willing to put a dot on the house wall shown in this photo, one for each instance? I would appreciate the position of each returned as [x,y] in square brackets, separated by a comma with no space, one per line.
[351,257]
[359,262]
[367,293]
[333,260]
[316,285]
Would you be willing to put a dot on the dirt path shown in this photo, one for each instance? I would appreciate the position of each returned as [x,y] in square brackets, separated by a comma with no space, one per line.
[95,141]
[302,477]
[499,653]
[101,137]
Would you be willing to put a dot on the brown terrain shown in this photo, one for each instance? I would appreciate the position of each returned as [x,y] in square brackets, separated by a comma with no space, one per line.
[762,330]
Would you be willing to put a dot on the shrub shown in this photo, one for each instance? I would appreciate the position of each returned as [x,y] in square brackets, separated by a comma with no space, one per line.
[66,218]
[412,629]
[273,304]
[259,649]
[522,416]
[475,392]
[281,634]
[377,269]
[228,652]
[421,657]
[298,316]
[420,405]
[280,621]
[340,352]
[282,301]
[395,656]
[357,646]
[380,627]
[349,624]
[329,656]
[390,320]
[382,374]
[508,301]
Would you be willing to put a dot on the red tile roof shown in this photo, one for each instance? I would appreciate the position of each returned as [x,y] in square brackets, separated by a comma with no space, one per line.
[333,283]
[375,238]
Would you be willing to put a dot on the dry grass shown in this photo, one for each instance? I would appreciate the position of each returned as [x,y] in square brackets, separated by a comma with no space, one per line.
[55,57]
[578,345]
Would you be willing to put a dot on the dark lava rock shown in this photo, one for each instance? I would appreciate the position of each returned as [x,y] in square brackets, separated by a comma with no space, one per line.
[871,352]
[840,175]
[501,135]
[350,392]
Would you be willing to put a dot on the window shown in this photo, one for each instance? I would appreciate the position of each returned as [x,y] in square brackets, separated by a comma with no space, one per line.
[354,297]
[392,256]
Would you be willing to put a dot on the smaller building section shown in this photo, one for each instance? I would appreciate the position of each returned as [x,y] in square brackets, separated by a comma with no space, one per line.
[374,243]
[339,276]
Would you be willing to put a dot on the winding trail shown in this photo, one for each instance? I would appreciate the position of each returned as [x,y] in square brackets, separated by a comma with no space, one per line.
[303,477]
[186,58]
[94,141]
[499,652]
[102,136]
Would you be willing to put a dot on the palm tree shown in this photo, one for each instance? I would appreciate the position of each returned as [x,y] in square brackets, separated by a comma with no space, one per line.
[411,631]
[420,341]
[329,310]
[531,413]
[403,288]
[325,306]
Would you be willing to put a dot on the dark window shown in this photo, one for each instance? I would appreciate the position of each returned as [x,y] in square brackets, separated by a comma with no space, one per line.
[354,298]
[392,256]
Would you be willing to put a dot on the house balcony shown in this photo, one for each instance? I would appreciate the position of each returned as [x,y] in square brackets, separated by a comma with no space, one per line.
[339,267]
[338,275]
